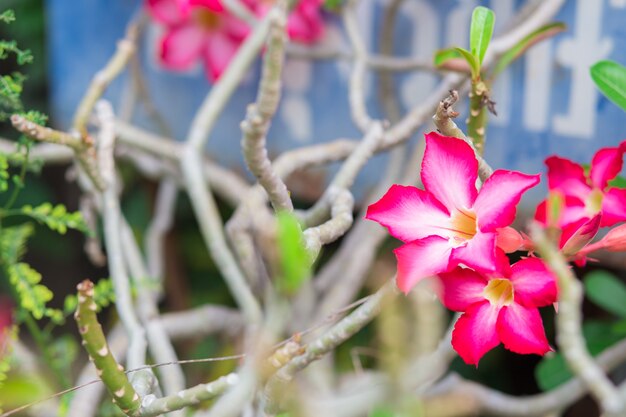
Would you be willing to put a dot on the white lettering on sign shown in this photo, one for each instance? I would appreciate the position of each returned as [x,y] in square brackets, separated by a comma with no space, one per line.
[578,53]
[502,88]
[417,86]
[537,85]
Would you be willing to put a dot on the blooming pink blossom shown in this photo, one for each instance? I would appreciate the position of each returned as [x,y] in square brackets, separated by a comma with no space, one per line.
[499,307]
[449,222]
[197,30]
[305,23]
[587,194]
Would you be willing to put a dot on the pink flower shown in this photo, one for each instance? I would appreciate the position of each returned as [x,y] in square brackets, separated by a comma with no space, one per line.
[499,307]
[448,223]
[197,30]
[305,23]
[587,194]
[6,321]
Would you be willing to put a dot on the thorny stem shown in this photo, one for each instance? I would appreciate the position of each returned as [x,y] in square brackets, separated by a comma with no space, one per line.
[443,119]
[102,79]
[111,373]
[477,119]
[83,149]
[256,125]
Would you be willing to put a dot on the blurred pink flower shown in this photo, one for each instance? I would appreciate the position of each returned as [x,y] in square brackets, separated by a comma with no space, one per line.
[305,23]
[197,30]
[449,222]
[6,321]
[588,201]
[587,194]
[499,307]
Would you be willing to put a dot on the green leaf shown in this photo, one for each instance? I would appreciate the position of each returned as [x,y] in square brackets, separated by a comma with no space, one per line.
[471,60]
[522,46]
[610,78]
[444,55]
[552,371]
[607,291]
[13,242]
[56,217]
[7,16]
[295,263]
[481,30]
[33,296]
[617,182]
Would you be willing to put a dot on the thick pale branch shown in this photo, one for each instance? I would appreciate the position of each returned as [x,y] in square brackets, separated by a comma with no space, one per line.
[569,327]
[258,119]
[102,79]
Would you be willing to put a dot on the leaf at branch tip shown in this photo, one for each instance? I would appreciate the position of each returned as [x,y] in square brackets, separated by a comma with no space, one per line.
[472,61]
[295,263]
[610,78]
[444,55]
[606,291]
[481,30]
[522,46]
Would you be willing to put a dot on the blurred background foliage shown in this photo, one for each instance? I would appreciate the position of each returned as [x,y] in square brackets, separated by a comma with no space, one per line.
[192,278]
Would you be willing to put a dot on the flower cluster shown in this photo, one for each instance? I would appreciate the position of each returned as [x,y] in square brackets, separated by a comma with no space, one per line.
[452,230]
[462,235]
[203,30]
[589,201]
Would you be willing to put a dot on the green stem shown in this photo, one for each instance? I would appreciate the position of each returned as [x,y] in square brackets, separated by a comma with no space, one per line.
[18,187]
[110,372]
[477,120]
[43,344]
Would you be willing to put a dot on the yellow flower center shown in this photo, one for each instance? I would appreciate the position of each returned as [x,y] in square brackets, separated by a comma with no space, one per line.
[464,226]
[593,203]
[499,292]
[206,18]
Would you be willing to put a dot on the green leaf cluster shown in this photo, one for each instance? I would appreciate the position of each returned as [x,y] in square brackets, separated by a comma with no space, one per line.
[56,217]
[481,32]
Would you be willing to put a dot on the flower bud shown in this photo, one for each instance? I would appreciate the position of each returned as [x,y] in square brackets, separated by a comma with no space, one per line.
[509,239]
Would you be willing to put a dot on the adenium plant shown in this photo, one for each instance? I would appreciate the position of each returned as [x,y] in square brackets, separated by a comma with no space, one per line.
[461,235]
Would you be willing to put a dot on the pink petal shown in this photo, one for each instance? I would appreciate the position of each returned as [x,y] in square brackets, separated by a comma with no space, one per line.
[182,46]
[606,164]
[572,212]
[214,5]
[534,284]
[169,12]
[521,330]
[576,235]
[475,333]
[497,200]
[567,176]
[479,252]
[420,259]
[449,171]
[410,213]
[219,50]
[461,288]
[613,207]
[305,26]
